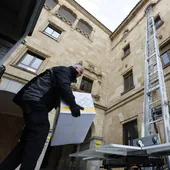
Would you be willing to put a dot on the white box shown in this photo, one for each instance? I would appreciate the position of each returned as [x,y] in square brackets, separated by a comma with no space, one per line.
[73,130]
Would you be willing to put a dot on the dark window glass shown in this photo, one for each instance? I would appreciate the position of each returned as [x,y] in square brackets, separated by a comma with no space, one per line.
[130,132]
[86,85]
[84,27]
[67,13]
[128,81]
[126,50]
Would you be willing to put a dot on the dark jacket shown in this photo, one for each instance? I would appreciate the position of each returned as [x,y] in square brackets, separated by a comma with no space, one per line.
[49,87]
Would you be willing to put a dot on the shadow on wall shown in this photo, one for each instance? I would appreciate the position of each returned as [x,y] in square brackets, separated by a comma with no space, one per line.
[11,123]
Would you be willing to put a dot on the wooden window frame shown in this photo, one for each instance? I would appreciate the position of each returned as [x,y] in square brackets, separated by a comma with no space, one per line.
[127,75]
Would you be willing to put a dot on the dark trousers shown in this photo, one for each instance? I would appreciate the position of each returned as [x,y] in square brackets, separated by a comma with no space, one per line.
[32,140]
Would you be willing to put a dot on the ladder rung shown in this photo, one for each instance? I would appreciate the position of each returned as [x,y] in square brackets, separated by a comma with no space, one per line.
[153,81]
[154,121]
[154,102]
[154,88]
[150,74]
[153,77]
[153,64]
[151,56]
[150,38]
[150,26]
[150,18]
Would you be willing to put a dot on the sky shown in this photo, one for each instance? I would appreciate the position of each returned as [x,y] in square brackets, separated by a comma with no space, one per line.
[109,12]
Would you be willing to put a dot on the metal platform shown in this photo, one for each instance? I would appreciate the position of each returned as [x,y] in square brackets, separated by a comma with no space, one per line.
[106,151]
[116,150]
[115,155]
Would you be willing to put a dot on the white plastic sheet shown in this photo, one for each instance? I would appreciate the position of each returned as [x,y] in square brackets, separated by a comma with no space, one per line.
[71,130]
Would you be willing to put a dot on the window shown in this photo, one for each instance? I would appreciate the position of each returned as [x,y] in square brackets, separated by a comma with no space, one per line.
[30,61]
[66,15]
[165,54]
[84,28]
[166,58]
[126,50]
[158,21]
[86,85]
[52,32]
[50,3]
[128,81]
[130,132]
[157,112]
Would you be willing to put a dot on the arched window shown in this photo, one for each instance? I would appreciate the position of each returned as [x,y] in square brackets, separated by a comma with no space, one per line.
[66,15]
[84,28]
[51,3]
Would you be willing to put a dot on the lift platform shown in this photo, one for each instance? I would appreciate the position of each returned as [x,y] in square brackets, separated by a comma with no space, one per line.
[123,156]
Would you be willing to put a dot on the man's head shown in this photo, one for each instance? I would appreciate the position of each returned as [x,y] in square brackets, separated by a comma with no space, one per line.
[79,69]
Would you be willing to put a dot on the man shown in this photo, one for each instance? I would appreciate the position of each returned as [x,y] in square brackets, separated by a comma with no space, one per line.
[37,98]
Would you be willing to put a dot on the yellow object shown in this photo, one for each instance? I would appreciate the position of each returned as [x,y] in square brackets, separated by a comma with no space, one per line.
[66,108]
[98,142]
[0,80]
[48,137]
[97,146]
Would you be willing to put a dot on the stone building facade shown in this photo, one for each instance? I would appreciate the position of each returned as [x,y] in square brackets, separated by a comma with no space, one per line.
[127,67]
[66,34]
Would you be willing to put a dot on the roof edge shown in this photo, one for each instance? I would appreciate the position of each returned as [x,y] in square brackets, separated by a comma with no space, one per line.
[129,17]
[90,16]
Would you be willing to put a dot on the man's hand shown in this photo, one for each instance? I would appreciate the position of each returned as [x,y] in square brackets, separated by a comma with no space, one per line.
[75,111]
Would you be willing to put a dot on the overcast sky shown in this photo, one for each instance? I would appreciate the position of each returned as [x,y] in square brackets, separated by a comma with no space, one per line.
[110,12]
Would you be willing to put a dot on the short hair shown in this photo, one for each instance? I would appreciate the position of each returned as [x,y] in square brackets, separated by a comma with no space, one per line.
[78,65]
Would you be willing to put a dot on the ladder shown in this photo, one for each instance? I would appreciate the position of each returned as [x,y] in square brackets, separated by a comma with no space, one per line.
[155,91]
[155,102]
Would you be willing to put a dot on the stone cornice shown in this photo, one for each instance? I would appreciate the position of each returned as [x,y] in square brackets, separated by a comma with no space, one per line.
[109,109]
[100,106]
[125,100]
[130,97]
[24,81]
[15,78]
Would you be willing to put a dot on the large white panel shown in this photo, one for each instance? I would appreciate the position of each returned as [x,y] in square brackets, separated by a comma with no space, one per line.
[71,130]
